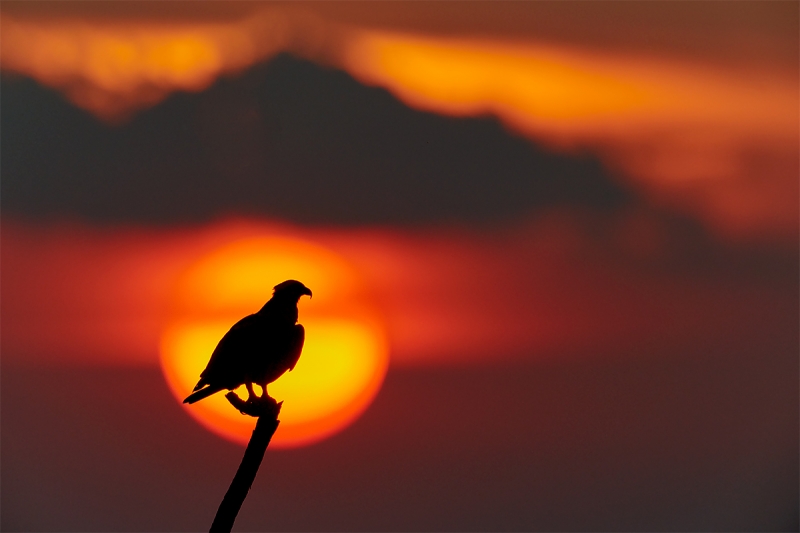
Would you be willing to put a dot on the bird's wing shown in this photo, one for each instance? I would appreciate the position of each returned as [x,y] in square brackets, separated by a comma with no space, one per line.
[296,345]
[228,362]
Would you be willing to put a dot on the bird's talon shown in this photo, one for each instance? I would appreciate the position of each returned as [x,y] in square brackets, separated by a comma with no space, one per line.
[250,392]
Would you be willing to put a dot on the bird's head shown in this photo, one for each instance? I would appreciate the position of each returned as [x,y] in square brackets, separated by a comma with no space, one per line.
[291,290]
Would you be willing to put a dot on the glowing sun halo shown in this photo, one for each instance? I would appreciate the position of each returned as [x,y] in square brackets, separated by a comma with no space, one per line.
[345,355]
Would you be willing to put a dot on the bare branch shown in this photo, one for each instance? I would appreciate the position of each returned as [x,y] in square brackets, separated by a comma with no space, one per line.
[266,409]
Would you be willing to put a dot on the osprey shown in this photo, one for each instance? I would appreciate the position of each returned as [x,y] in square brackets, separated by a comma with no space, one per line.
[259,348]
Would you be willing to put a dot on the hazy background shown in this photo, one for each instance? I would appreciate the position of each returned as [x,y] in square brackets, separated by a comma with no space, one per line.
[578,222]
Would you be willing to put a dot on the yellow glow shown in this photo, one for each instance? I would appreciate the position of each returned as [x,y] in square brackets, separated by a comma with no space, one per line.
[239,276]
[345,355]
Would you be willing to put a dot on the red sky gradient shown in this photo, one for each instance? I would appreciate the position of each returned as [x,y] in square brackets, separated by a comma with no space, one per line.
[447,296]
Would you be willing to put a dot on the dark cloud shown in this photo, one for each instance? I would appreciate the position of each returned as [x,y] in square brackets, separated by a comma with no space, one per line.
[289,140]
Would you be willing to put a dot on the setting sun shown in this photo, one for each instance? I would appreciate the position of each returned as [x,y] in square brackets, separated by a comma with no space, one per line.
[345,355]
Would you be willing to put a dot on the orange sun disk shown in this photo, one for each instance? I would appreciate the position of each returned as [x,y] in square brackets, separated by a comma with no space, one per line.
[344,359]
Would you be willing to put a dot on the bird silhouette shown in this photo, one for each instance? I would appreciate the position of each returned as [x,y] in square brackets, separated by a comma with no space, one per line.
[259,348]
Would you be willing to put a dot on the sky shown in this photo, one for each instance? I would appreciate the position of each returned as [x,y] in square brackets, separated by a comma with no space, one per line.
[553,248]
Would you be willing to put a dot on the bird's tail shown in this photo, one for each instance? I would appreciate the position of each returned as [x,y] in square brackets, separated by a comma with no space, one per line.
[198,395]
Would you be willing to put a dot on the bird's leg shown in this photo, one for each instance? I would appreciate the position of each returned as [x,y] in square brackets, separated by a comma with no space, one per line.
[264,391]
[251,394]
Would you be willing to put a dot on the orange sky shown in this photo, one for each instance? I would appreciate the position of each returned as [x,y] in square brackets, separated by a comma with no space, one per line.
[713,133]
[686,111]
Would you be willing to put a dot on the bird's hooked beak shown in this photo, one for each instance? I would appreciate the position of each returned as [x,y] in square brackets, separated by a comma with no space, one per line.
[291,289]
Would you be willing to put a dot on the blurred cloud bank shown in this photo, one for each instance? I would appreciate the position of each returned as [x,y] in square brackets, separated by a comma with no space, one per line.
[700,111]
